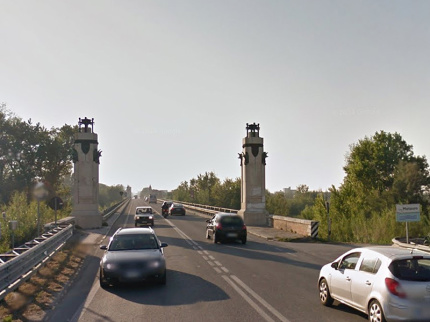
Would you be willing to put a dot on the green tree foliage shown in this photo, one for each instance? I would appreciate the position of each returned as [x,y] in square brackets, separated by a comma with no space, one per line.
[26,214]
[109,195]
[290,204]
[381,171]
[207,189]
[30,152]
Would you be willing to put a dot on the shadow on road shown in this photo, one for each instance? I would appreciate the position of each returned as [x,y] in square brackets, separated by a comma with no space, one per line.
[181,289]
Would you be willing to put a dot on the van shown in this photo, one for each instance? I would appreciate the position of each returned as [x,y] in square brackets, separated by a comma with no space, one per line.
[152,199]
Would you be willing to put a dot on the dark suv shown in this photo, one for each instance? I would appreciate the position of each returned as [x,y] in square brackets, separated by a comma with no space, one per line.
[225,226]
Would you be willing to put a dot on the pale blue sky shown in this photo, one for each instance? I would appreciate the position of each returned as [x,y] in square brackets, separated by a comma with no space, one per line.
[172,84]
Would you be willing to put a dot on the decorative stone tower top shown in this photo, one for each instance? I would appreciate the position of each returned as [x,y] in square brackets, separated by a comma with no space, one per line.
[252,130]
[86,122]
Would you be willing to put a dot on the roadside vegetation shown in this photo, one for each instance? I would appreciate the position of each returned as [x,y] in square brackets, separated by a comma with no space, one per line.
[380,172]
[31,153]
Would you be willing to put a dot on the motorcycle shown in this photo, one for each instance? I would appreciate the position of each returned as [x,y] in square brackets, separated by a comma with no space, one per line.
[164,212]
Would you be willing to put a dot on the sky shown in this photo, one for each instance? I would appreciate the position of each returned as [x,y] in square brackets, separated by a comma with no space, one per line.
[172,84]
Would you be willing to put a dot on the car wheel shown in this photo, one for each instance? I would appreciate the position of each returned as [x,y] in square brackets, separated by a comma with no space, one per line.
[375,312]
[207,234]
[325,296]
[103,283]
[244,240]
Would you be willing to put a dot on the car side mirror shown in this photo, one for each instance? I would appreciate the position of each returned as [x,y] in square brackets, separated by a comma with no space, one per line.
[104,247]
[164,245]
[334,265]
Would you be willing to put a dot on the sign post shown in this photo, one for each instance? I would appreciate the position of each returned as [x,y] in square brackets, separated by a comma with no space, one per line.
[407,213]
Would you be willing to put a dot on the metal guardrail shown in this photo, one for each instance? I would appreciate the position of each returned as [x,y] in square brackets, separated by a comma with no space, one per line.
[210,210]
[413,245]
[111,210]
[22,262]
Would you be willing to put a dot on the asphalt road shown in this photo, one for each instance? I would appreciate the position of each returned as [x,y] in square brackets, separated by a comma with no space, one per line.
[260,281]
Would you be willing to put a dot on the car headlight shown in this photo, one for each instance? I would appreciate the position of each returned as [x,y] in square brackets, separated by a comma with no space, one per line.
[150,217]
[110,266]
[155,264]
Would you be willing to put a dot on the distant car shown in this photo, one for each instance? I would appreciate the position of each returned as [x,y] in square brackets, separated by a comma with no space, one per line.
[165,208]
[387,283]
[226,226]
[144,216]
[133,255]
[177,209]
[152,199]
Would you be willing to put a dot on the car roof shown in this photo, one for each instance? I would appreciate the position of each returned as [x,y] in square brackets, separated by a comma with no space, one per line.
[227,214]
[134,231]
[393,252]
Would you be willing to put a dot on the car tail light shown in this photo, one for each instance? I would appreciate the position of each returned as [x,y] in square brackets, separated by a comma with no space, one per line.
[394,287]
[219,226]
[244,227]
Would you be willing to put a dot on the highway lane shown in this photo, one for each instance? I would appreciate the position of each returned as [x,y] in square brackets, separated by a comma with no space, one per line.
[260,281]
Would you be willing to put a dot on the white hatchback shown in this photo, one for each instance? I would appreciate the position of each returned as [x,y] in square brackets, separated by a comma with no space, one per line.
[387,283]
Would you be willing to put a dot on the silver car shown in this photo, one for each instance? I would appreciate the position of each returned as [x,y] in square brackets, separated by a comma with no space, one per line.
[387,283]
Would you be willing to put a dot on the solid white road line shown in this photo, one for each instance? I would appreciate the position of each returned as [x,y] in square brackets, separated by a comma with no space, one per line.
[260,299]
[248,299]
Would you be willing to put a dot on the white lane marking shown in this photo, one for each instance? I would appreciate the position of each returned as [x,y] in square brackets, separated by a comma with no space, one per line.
[259,299]
[248,299]
[200,252]
[236,279]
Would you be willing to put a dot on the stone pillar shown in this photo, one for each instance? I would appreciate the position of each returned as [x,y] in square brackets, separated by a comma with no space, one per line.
[86,159]
[129,192]
[253,183]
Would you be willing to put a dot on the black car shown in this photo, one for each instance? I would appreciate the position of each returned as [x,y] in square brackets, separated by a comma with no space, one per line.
[165,207]
[144,216]
[133,255]
[225,226]
[177,209]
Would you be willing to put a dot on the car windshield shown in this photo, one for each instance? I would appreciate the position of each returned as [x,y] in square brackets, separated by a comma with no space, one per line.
[133,242]
[231,220]
[414,269]
[177,205]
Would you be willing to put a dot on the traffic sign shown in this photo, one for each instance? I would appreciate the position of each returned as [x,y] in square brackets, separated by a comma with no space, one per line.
[56,203]
[408,213]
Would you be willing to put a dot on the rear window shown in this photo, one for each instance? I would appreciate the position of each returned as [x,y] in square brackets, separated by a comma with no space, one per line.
[231,220]
[414,269]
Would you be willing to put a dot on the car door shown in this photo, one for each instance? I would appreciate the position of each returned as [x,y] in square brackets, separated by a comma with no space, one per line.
[363,280]
[340,286]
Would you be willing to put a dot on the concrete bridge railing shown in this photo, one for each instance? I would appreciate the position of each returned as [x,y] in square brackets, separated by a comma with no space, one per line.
[295,225]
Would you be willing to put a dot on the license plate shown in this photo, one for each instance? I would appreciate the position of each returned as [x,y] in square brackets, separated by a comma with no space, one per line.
[131,274]
[231,235]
